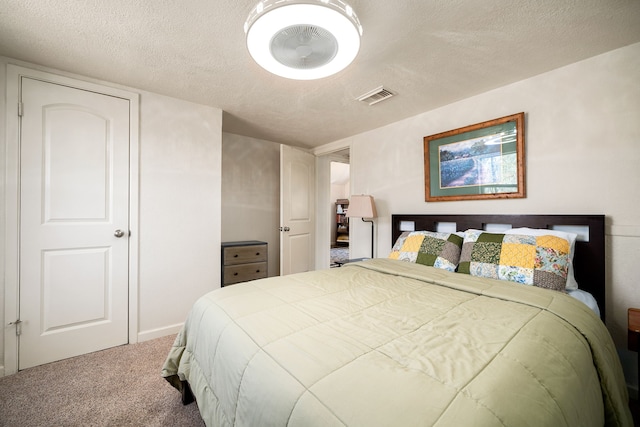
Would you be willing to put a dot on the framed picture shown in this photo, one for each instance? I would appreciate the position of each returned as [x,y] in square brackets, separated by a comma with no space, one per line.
[481,161]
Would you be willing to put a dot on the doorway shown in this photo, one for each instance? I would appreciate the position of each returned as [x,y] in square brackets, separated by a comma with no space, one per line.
[339,197]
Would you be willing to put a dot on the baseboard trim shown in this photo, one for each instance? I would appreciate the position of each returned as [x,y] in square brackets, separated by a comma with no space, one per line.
[1,371]
[159,333]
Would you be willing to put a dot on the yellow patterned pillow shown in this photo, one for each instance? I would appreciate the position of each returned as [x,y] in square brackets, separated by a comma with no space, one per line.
[531,260]
[440,250]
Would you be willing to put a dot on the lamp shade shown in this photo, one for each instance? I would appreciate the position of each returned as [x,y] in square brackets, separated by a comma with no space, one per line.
[362,207]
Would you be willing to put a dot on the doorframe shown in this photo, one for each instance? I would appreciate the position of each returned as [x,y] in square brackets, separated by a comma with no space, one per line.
[324,214]
[12,199]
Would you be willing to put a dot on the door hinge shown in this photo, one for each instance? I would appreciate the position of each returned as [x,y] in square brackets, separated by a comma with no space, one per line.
[18,324]
[20,109]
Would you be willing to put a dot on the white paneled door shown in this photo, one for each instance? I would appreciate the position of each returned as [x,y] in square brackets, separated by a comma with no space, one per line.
[297,210]
[74,226]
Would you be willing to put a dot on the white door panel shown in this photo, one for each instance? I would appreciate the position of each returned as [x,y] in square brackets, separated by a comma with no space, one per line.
[65,156]
[297,210]
[299,254]
[74,275]
[74,181]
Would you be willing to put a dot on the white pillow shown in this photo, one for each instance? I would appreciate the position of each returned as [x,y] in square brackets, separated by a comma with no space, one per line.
[586,298]
[570,237]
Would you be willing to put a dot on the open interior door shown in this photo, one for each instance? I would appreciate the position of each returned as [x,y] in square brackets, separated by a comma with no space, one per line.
[297,210]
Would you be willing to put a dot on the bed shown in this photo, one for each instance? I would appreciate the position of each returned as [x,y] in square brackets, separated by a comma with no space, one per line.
[411,340]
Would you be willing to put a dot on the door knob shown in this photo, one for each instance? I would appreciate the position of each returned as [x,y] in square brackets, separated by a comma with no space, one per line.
[118,233]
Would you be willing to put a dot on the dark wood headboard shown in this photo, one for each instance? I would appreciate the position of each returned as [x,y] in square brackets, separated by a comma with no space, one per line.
[589,259]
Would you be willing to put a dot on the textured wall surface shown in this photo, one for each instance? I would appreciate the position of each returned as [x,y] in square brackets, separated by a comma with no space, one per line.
[251,193]
[582,156]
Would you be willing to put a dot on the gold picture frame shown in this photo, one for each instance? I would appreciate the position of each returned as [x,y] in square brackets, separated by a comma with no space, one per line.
[477,162]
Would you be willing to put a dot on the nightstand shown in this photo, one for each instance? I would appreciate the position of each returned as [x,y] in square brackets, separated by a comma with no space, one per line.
[243,261]
[633,338]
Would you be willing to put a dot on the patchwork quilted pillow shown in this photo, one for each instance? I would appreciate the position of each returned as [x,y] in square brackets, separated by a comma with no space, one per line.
[541,261]
[440,250]
[572,284]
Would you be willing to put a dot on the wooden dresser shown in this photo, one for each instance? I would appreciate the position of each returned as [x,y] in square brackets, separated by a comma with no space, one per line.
[243,261]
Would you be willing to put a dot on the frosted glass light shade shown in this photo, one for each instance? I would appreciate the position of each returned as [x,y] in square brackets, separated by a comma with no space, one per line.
[303,39]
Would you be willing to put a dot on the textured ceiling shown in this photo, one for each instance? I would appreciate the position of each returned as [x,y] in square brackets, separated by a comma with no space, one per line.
[430,52]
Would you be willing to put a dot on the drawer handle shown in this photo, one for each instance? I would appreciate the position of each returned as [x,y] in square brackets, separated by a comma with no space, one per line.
[235,274]
[257,253]
[258,271]
[235,256]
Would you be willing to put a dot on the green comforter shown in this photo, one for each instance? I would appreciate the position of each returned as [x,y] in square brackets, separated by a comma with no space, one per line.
[390,343]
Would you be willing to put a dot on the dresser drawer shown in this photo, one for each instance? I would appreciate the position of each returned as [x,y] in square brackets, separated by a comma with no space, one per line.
[244,254]
[244,272]
[243,261]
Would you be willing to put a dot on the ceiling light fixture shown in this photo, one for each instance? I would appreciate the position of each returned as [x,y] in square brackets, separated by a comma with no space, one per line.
[303,39]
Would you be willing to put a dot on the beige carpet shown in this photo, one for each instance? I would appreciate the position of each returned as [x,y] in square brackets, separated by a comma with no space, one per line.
[115,387]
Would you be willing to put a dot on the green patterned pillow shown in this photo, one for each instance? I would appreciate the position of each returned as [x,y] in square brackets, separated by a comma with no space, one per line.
[541,261]
[440,250]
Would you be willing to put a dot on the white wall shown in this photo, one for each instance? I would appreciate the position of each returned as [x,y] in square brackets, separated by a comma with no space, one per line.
[340,181]
[180,192]
[251,193]
[582,157]
[179,206]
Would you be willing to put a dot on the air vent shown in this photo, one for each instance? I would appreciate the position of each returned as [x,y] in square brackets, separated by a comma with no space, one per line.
[376,95]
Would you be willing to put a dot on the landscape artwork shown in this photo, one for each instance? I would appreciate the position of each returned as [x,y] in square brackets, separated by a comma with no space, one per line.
[470,163]
[481,161]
